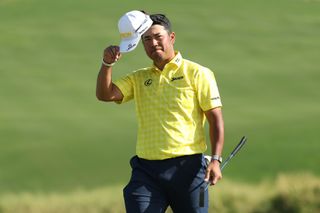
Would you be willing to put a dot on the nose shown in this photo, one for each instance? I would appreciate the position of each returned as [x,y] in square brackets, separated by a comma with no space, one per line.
[154,42]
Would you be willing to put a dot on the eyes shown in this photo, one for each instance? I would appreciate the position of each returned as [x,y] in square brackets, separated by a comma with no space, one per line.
[157,37]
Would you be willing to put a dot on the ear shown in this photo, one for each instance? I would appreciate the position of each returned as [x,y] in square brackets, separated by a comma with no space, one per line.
[172,37]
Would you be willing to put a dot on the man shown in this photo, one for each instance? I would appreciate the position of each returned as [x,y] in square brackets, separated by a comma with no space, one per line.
[172,99]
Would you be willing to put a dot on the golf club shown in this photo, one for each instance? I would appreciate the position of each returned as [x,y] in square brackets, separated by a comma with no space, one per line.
[233,153]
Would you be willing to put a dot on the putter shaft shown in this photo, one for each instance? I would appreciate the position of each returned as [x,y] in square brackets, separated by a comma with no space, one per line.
[233,153]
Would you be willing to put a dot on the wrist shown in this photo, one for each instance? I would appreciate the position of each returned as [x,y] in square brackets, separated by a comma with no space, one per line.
[107,64]
[217,158]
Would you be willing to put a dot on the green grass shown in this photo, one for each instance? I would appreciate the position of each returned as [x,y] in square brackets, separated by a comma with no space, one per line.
[284,195]
[55,135]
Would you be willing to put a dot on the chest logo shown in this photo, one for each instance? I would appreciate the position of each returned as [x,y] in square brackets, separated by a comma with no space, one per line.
[148,82]
[176,78]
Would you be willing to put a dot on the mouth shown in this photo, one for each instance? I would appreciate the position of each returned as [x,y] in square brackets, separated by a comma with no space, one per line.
[157,50]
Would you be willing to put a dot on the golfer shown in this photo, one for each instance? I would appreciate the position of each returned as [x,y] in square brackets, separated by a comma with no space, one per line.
[172,98]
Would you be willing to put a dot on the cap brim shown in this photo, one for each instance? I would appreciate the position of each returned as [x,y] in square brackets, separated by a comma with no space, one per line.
[127,45]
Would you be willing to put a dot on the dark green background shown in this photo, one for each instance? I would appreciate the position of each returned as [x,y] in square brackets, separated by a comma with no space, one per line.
[55,135]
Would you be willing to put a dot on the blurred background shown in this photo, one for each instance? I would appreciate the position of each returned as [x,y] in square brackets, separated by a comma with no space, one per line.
[55,137]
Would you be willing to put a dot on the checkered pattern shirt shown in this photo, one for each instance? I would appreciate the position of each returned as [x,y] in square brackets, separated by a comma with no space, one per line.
[169,106]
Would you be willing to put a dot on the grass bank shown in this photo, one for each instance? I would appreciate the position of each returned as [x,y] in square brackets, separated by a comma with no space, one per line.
[286,194]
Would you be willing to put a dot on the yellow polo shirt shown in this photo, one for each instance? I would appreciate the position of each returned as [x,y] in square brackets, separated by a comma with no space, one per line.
[169,106]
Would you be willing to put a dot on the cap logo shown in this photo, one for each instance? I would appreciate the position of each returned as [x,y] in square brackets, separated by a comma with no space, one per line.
[143,30]
[145,21]
[125,35]
[130,46]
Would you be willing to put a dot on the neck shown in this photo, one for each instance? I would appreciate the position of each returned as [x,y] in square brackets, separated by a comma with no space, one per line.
[161,63]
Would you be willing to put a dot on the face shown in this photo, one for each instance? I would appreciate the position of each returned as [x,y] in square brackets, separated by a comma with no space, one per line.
[158,44]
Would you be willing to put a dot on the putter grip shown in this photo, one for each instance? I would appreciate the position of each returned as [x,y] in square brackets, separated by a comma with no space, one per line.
[201,197]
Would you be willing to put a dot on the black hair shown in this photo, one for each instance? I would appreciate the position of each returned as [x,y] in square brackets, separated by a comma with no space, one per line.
[162,20]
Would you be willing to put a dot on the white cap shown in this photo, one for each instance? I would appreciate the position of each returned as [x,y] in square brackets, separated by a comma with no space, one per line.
[131,26]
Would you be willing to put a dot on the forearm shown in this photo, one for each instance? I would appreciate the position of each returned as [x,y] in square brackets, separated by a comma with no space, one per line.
[106,90]
[104,83]
[216,130]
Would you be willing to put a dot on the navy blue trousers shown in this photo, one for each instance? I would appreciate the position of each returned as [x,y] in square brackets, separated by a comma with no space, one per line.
[156,184]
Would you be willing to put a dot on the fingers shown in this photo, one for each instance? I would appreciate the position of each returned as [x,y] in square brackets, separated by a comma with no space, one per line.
[207,176]
[215,179]
[112,54]
[213,174]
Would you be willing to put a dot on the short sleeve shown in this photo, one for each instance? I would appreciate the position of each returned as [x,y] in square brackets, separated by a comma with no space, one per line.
[207,89]
[125,84]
